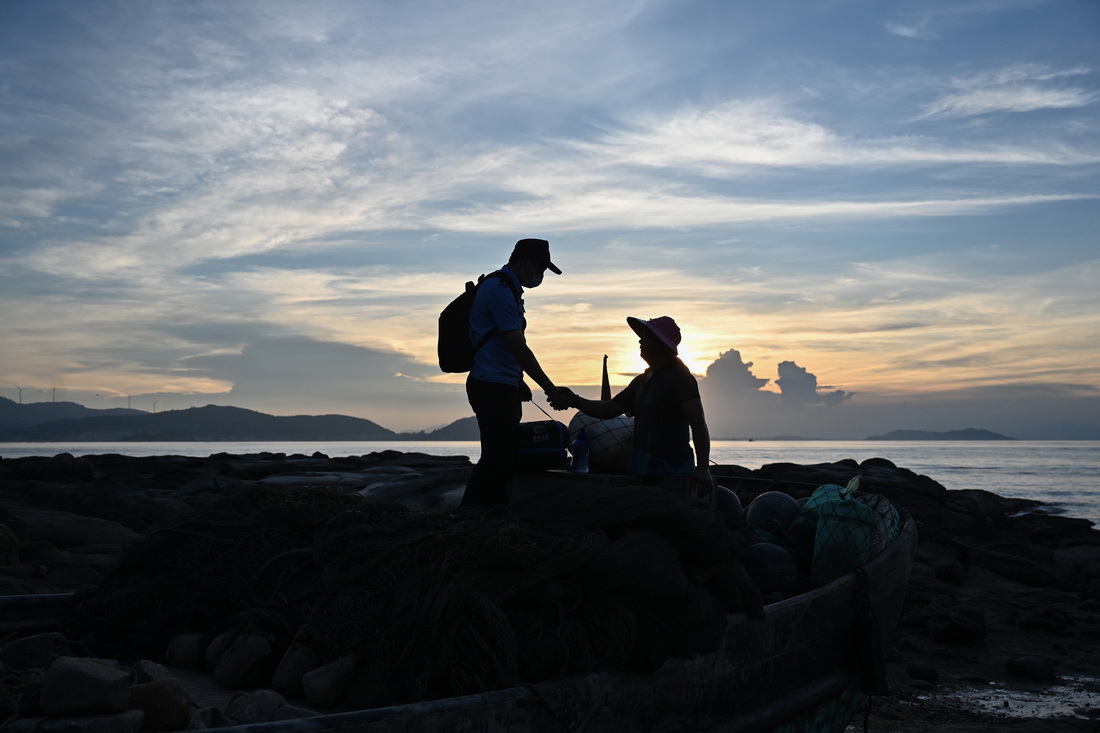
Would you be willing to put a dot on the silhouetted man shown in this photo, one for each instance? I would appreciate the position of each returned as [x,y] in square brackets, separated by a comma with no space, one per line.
[495,386]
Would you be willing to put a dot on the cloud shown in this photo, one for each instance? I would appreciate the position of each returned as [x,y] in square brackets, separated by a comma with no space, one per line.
[639,209]
[798,387]
[303,375]
[335,173]
[732,375]
[331,369]
[932,22]
[736,404]
[909,29]
[741,136]
[1015,88]
[1018,98]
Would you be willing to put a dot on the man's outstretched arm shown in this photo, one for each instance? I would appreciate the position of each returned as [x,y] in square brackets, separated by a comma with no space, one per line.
[517,344]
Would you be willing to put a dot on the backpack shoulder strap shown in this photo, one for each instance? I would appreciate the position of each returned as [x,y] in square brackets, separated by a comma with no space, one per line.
[503,278]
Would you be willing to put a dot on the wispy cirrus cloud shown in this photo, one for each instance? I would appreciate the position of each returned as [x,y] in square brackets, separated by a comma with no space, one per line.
[930,21]
[1016,88]
[609,209]
[742,135]
[916,29]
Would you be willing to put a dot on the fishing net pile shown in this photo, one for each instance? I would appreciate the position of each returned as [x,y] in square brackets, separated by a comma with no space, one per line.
[435,604]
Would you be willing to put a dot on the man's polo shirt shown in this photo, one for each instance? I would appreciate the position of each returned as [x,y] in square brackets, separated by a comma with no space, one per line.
[495,307]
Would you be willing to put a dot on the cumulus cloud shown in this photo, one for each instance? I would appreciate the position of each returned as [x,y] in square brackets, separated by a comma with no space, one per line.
[798,387]
[732,374]
[737,405]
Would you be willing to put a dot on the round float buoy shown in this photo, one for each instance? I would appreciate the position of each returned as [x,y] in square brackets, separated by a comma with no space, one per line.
[772,569]
[772,510]
[730,506]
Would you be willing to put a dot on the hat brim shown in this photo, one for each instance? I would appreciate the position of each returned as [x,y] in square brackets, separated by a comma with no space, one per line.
[642,329]
[552,267]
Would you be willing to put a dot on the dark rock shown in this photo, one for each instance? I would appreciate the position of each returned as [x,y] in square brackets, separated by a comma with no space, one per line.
[325,686]
[66,529]
[294,712]
[14,585]
[147,671]
[127,722]
[261,706]
[921,671]
[248,663]
[301,658]
[217,647]
[35,652]
[38,551]
[9,547]
[210,717]
[1010,566]
[83,470]
[74,686]
[71,575]
[9,706]
[165,703]
[957,625]
[1031,668]
[952,571]
[188,650]
[15,523]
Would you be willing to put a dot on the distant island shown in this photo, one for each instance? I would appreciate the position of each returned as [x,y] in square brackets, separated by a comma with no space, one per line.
[67,421]
[967,434]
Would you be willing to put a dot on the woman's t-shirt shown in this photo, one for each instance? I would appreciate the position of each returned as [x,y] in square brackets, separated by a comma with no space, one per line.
[661,429]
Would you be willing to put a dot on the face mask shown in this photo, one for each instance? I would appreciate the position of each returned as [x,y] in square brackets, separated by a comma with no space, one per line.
[533,281]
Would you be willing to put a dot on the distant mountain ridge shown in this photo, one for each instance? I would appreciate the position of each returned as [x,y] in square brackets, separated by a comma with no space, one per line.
[966,434]
[201,423]
[68,421]
[14,414]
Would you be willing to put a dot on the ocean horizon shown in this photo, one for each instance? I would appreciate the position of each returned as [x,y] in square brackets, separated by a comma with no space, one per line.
[1063,473]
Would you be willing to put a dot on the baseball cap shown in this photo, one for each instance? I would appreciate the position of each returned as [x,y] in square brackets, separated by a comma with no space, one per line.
[536,249]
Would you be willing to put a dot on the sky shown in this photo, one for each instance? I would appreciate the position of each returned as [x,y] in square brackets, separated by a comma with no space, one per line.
[865,216]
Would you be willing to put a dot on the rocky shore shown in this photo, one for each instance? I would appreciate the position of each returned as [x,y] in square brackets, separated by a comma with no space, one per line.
[1000,631]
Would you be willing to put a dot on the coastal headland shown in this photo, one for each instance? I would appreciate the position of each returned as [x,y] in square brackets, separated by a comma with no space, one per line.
[1003,607]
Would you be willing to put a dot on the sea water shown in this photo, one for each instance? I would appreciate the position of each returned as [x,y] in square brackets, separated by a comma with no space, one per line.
[1065,474]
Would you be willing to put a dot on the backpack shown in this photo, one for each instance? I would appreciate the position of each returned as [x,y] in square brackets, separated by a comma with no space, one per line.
[456,353]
